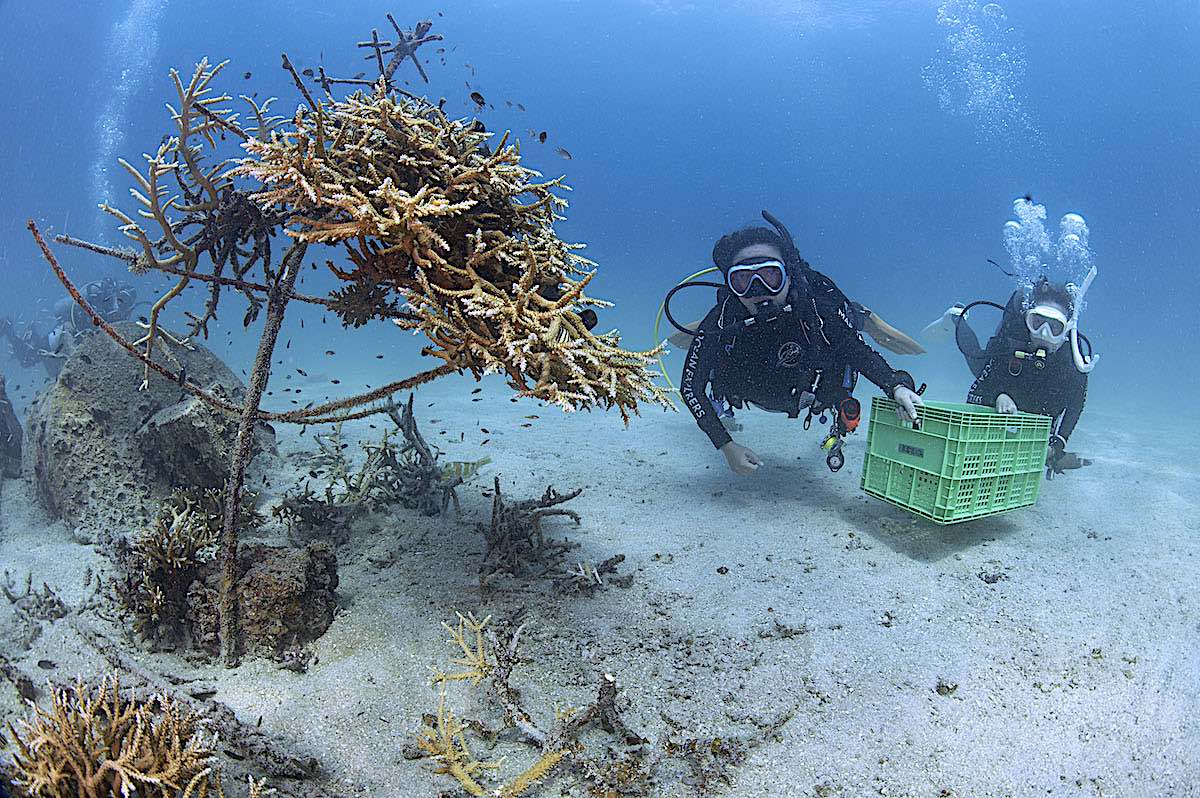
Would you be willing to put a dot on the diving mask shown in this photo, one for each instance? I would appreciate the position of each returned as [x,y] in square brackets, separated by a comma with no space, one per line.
[1048,325]
[769,273]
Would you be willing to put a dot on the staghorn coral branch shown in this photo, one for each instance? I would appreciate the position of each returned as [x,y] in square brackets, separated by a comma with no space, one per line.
[427,211]
[318,414]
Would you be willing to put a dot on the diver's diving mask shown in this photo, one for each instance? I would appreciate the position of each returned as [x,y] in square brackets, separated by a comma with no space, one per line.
[768,273]
[1047,325]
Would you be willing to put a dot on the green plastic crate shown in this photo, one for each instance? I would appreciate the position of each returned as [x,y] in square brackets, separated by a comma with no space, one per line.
[964,461]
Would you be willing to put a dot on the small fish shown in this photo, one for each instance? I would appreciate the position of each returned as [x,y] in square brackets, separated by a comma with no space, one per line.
[477,399]
[527,424]
[486,441]
[520,107]
[563,153]
[46,665]
[336,382]
[329,351]
[477,390]
[533,417]
[234,755]
[508,103]
[246,76]
[441,103]
[532,133]
[379,357]
[288,345]
[1029,198]
[360,76]
[485,431]
[468,66]
[301,324]
[308,73]
[542,137]
[477,98]
[302,372]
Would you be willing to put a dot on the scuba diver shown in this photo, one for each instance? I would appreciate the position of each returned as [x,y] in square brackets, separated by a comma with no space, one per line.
[782,338]
[1028,365]
[37,341]
[113,301]
[864,320]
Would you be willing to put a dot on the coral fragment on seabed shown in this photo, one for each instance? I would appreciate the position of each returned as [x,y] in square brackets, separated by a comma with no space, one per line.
[157,570]
[445,742]
[514,537]
[475,657]
[408,474]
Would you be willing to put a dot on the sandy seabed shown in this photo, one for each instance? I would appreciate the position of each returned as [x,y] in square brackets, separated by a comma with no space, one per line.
[1065,638]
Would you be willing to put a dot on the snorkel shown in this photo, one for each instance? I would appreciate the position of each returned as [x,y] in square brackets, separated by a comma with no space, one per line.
[1042,314]
[1083,364]
[791,255]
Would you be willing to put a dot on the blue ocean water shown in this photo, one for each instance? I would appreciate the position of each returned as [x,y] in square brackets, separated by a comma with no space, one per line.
[891,137]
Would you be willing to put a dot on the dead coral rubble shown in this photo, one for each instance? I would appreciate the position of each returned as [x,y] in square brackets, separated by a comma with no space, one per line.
[408,475]
[443,738]
[94,743]
[516,544]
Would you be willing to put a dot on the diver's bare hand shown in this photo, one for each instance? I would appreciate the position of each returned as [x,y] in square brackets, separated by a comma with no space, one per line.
[907,402]
[742,459]
[1006,405]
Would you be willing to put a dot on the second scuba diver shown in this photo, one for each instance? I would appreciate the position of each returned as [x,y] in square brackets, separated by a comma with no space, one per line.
[781,337]
[1035,362]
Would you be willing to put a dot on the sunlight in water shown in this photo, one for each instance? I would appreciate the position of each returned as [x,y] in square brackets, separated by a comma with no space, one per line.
[131,47]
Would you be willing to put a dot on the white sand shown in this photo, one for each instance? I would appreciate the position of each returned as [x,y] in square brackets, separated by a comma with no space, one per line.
[1077,673]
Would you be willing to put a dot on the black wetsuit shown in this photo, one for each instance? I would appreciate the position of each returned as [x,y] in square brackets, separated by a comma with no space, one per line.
[1050,386]
[814,349]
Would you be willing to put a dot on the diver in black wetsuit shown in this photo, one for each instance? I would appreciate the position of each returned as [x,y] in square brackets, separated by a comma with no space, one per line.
[781,337]
[1026,366]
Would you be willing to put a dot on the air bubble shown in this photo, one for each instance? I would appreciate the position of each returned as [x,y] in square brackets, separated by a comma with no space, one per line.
[979,71]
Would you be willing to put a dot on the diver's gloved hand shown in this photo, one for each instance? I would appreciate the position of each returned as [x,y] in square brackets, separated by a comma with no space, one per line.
[742,459]
[907,402]
[1006,405]
[1060,461]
